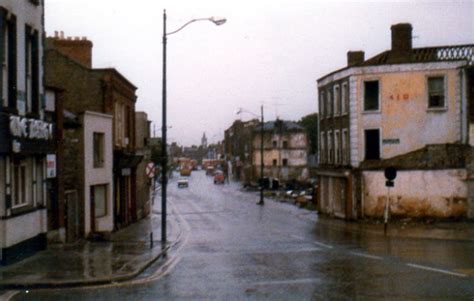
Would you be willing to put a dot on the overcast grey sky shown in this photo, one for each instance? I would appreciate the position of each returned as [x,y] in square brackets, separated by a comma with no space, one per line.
[268,52]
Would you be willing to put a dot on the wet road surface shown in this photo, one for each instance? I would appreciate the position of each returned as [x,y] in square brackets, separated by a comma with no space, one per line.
[233,249]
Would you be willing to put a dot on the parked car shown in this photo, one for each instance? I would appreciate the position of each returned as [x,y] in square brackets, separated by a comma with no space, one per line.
[219,177]
[183,182]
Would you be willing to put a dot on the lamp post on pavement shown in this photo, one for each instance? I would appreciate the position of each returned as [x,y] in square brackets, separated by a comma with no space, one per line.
[261,201]
[164,161]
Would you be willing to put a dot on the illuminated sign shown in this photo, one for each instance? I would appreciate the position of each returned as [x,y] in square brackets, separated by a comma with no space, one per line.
[22,127]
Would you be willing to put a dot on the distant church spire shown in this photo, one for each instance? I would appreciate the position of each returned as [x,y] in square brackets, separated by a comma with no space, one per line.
[204,140]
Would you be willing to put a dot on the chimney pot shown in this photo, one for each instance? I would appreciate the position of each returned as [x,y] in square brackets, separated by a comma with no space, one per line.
[355,58]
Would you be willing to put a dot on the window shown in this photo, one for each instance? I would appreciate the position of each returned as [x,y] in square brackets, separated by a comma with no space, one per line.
[31,70]
[274,162]
[322,108]
[337,148]
[345,98]
[371,96]
[285,162]
[322,153]
[345,147]
[329,104]
[285,144]
[8,43]
[337,101]
[98,149]
[274,143]
[20,178]
[330,143]
[436,92]
[5,59]
[99,200]
[372,144]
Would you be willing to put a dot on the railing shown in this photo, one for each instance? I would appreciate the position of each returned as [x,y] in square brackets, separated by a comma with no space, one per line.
[456,52]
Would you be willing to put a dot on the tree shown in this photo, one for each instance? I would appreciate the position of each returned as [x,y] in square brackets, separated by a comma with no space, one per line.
[310,123]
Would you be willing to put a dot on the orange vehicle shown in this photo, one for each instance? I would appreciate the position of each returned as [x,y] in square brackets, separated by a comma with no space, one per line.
[185,171]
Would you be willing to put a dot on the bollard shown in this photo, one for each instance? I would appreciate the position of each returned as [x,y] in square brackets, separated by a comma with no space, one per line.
[151,240]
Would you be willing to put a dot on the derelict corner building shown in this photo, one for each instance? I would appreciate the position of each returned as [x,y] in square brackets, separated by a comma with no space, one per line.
[411,108]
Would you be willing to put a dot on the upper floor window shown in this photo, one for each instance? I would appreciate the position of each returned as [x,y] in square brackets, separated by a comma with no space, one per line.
[371,95]
[285,144]
[322,108]
[436,92]
[345,146]
[329,104]
[322,150]
[329,148]
[372,144]
[337,148]
[31,70]
[284,162]
[274,143]
[8,43]
[345,98]
[98,149]
[274,162]
[337,101]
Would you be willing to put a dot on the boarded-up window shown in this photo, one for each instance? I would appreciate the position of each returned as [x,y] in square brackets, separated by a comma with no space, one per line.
[372,144]
[371,96]
[436,92]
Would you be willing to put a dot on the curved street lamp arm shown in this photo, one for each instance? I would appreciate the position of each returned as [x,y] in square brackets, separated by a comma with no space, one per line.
[212,19]
[242,110]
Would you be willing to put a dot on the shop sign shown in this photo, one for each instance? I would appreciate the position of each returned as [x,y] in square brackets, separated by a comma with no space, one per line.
[22,127]
[51,166]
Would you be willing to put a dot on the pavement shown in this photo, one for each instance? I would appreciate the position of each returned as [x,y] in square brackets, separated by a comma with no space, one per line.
[128,252]
[120,257]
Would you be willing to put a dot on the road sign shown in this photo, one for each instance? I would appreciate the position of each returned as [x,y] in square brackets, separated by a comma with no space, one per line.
[390,173]
[150,170]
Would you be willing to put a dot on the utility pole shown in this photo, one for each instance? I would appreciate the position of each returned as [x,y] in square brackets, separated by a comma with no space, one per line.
[164,158]
[261,202]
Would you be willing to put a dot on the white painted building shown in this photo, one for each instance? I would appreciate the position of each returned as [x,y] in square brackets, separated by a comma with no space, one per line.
[98,172]
[26,138]
[408,108]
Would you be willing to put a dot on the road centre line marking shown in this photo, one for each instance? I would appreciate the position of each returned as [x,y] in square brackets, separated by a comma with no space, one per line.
[292,281]
[422,267]
[367,255]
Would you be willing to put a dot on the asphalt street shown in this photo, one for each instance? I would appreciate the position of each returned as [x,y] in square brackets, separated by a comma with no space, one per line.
[233,249]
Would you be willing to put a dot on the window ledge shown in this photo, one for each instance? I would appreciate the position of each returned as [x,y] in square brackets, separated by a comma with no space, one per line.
[371,112]
[439,110]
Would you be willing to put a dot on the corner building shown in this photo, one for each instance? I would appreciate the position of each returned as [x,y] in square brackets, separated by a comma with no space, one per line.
[26,138]
[410,108]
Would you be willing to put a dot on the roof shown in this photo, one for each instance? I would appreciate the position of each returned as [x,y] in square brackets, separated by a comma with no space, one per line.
[418,55]
[281,125]
[426,54]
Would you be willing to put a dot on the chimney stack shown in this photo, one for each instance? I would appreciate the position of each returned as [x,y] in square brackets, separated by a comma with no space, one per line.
[355,58]
[401,41]
[78,49]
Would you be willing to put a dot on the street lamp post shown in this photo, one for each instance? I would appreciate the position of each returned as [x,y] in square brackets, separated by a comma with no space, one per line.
[164,159]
